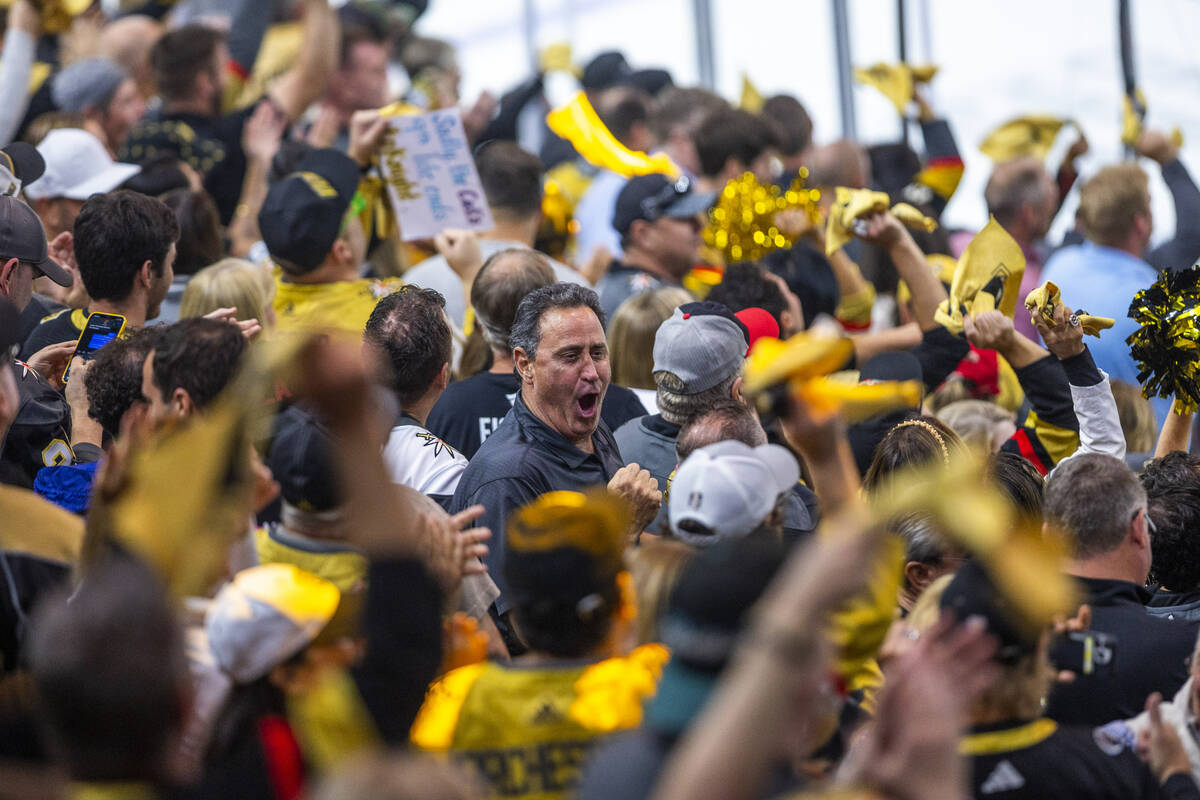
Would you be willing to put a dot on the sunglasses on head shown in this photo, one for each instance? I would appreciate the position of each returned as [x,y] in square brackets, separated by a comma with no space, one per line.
[654,206]
[358,204]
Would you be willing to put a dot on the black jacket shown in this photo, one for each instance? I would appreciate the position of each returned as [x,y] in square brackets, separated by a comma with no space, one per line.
[1152,655]
[1183,606]
[522,459]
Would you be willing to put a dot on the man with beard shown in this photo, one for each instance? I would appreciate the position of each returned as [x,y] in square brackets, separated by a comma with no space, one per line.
[125,248]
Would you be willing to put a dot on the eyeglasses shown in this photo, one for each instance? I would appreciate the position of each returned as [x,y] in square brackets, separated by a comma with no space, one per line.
[1150,526]
[656,204]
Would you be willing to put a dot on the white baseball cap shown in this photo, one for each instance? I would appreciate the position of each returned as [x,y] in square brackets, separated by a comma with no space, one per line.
[728,488]
[264,616]
[77,167]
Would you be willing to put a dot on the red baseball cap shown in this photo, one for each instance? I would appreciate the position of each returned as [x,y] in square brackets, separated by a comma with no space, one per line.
[759,323]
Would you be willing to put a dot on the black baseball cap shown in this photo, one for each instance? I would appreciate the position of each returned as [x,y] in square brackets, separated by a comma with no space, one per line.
[23,237]
[606,70]
[652,197]
[23,162]
[651,81]
[303,213]
[301,460]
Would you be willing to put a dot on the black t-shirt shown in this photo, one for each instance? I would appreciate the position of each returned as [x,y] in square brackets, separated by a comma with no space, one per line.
[470,410]
[210,144]
[1012,761]
[38,309]
[61,326]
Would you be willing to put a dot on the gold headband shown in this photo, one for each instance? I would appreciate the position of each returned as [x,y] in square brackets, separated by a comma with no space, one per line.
[920,423]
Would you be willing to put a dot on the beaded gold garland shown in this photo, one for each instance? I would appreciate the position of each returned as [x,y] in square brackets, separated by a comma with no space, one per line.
[742,223]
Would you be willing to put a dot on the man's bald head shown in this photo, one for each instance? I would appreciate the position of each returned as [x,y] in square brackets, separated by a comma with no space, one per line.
[502,283]
[128,41]
[841,163]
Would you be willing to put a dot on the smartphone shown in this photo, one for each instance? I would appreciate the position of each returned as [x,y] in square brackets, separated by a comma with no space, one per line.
[99,331]
[1084,652]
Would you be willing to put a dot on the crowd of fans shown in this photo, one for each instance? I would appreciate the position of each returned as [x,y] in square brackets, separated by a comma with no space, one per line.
[510,513]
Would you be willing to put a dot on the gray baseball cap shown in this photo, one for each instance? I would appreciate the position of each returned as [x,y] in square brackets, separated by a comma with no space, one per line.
[23,237]
[90,83]
[728,489]
[702,344]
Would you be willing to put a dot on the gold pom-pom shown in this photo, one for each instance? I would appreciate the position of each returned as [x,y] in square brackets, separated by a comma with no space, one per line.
[742,223]
[1167,345]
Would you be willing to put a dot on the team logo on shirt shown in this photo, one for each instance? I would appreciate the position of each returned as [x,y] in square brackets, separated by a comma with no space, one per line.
[1004,778]
[437,444]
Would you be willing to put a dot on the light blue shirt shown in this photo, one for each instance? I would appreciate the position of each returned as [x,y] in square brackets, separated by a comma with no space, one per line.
[594,213]
[1103,281]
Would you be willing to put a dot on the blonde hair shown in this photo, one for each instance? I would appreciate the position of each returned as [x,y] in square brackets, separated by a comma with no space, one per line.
[975,422]
[1138,422]
[655,567]
[1109,202]
[631,334]
[229,282]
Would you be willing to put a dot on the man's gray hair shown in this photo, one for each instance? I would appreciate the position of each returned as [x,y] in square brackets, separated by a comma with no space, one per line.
[501,284]
[1014,185]
[679,408]
[725,420]
[1093,498]
[527,330]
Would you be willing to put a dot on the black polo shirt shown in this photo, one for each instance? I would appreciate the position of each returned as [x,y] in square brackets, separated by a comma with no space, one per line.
[522,459]
[1152,655]
[1040,759]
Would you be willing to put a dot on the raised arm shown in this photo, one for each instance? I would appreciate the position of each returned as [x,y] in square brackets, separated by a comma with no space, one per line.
[826,451]
[938,180]
[1176,433]
[260,142]
[16,64]
[1091,395]
[306,80]
[884,230]
[1181,251]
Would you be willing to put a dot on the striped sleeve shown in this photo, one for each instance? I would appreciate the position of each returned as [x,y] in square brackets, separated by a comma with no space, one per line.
[1050,432]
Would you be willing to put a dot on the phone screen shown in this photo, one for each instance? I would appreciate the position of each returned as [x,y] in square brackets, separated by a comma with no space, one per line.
[100,330]
[97,341]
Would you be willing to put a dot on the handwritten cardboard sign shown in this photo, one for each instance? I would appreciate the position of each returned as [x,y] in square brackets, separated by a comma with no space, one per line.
[430,175]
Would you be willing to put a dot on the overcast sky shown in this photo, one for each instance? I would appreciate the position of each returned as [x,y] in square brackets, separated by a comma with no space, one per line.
[998,59]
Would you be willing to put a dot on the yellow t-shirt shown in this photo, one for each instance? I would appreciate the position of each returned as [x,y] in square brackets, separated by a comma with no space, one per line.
[342,305]
[343,567]
[529,730]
